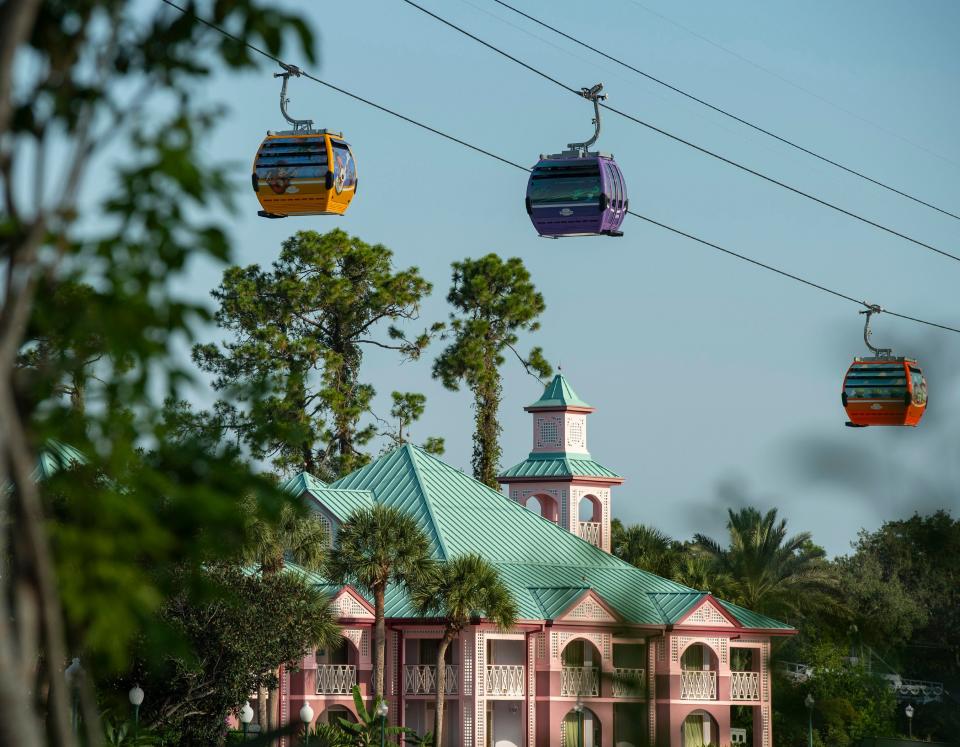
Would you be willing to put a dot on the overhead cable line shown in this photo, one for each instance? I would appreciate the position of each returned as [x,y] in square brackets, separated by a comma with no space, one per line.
[724,112]
[688,143]
[516,165]
[793,84]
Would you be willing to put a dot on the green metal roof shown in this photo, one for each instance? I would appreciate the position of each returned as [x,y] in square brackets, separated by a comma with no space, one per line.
[545,567]
[55,456]
[558,393]
[751,619]
[559,464]
[341,503]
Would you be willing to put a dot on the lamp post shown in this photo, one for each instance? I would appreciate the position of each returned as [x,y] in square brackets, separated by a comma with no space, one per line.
[578,708]
[246,716]
[382,710]
[73,674]
[136,698]
[306,715]
[909,711]
[808,702]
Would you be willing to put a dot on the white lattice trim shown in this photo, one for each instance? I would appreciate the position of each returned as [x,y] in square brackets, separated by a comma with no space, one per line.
[345,604]
[361,641]
[707,614]
[589,610]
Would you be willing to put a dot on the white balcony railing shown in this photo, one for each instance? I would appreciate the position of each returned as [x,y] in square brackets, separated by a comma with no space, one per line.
[336,679]
[744,685]
[629,682]
[421,679]
[590,531]
[505,680]
[698,685]
[580,681]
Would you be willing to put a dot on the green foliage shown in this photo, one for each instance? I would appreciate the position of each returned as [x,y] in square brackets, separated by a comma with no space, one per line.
[408,407]
[89,330]
[493,300]
[294,361]
[645,547]
[366,730]
[849,702]
[240,629]
[295,532]
[770,572]
[125,734]
[375,547]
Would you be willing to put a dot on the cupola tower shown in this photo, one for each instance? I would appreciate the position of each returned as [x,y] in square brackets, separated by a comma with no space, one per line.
[559,479]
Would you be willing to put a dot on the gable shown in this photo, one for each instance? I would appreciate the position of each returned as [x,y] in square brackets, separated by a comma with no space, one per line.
[348,603]
[589,608]
[708,613]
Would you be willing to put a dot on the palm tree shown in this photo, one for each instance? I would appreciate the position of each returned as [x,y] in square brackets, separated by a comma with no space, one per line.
[645,547]
[770,572]
[376,547]
[303,538]
[462,588]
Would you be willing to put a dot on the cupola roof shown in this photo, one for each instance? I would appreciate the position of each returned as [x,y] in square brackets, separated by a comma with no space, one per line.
[558,394]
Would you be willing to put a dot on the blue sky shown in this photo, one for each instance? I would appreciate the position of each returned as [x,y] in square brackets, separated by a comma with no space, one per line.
[715,383]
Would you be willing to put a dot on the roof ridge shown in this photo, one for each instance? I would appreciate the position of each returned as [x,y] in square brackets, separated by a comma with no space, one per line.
[412,454]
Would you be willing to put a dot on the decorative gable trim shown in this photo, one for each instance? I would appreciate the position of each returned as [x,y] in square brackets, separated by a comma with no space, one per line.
[348,603]
[589,607]
[708,613]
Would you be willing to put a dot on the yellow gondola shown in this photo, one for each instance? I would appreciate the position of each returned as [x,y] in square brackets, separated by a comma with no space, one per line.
[303,171]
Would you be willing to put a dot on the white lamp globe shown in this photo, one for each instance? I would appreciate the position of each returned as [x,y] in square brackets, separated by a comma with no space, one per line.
[73,672]
[246,713]
[383,709]
[306,714]
[135,695]
[909,711]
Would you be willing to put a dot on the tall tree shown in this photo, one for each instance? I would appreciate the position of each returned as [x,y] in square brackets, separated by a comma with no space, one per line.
[493,300]
[299,330]
[104,111]
[771,572]
[377,547]
[460,589]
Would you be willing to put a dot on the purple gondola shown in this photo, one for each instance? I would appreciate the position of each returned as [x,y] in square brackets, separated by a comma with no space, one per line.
[578,192]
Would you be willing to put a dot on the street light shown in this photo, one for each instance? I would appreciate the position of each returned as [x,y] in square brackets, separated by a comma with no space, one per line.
[246,716]
[808,702]
[136,698]
[306,715]
[382,710]
[73,674]
[909,711]
[578,708]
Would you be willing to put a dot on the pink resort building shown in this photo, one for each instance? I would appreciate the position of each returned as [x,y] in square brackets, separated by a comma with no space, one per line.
[603,654]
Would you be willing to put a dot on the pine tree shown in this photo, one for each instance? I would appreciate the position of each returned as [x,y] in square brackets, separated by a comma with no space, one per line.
[299,331]
[493,300]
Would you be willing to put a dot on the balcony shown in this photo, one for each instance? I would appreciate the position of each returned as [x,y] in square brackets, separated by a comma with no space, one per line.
[336,679]
[421,679]
[590,531]
[505,680]
[629,682]
[698,685]
[580,681]
[744,685]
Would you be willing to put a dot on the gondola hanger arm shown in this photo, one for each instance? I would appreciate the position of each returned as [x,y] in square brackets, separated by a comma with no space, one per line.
[872,309]
[299,125]
[591,94]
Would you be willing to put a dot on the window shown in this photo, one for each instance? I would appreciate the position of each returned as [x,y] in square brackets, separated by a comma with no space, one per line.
[344,167]
[876,381]
[565,184]
[292,158]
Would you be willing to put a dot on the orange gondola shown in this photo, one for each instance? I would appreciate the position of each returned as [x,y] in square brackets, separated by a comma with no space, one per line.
[303,171]
[883,389]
